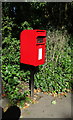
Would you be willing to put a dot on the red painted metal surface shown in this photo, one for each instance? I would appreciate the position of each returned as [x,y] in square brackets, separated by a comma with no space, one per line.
[33,47]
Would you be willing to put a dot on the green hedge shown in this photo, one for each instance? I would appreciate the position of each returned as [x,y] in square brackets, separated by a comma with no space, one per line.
[55,74]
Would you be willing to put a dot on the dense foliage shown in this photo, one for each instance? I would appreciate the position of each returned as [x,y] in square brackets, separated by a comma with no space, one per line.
[55,74]
[10,63]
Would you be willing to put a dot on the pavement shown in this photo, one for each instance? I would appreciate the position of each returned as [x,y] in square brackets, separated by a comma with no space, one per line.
[46,107]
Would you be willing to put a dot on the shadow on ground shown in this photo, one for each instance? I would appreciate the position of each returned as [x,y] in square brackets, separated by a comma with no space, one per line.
[13,112]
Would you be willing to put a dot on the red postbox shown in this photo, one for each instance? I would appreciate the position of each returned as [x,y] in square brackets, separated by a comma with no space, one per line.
[32,47]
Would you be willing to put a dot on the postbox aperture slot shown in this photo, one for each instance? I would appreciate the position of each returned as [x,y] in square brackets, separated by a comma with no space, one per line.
[40,39]
[39,31]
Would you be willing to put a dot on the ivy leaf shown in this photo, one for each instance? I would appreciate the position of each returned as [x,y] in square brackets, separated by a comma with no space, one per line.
[53,102]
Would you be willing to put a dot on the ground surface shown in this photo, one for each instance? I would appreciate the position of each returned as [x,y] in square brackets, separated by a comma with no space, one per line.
[45,109]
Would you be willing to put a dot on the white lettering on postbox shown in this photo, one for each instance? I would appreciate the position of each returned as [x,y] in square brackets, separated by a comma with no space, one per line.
[39,53]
